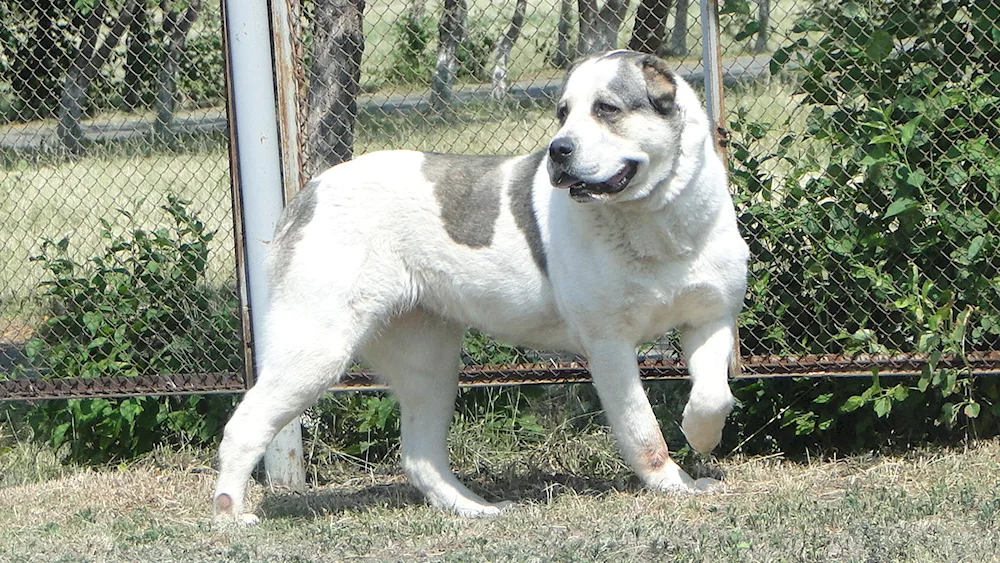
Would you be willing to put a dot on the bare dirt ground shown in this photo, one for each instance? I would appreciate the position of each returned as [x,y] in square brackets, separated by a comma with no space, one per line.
[928,505]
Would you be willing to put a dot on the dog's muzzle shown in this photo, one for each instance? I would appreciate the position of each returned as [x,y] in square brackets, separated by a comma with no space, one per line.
[561,150]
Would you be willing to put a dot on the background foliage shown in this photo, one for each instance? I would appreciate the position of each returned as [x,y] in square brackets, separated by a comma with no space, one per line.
[140,308]
[884,233]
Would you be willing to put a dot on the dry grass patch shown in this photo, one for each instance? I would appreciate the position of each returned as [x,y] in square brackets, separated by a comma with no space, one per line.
[930,505]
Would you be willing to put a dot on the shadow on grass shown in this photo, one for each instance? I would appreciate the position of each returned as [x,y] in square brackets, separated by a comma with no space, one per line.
[533,488]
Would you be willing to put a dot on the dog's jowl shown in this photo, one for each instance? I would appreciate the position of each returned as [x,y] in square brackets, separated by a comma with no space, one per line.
[618,231]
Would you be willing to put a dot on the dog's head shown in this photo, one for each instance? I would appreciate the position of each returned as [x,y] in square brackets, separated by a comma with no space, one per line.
[621,117]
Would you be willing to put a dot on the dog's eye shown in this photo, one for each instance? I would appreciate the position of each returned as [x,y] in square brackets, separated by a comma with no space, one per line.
[606,109]
[561,112]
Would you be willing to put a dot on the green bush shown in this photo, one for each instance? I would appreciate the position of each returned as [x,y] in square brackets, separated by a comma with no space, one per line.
[475,53]
[140,308]
[202,71]
[412,60]
[882,238]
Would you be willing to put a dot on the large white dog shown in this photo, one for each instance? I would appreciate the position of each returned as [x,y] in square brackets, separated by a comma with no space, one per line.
[620,231]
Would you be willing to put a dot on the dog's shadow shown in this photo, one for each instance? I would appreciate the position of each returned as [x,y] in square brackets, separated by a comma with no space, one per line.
[330,500]
[535,488]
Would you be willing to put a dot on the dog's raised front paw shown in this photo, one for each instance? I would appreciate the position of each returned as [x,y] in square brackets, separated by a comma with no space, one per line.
[704,419]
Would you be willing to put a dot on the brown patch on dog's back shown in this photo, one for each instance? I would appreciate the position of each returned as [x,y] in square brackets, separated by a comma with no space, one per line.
[467,187]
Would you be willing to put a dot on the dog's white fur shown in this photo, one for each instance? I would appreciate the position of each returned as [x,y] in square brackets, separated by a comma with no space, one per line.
[371,272]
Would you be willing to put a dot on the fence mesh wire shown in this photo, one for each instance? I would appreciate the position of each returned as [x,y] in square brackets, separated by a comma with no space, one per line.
[863,151]
[865,168]
[117,267]
[870,211]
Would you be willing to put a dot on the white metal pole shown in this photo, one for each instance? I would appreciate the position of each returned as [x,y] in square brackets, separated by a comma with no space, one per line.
[258,173]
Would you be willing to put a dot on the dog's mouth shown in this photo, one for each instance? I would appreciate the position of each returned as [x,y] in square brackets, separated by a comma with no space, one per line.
[586,191]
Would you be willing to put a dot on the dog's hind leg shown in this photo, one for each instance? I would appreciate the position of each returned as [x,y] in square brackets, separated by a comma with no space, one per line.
[304,352]
[418,353]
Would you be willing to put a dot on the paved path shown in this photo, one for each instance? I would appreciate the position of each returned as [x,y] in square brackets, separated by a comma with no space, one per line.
[41,135]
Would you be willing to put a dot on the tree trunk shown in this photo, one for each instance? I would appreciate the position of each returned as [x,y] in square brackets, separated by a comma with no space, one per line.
[176,26]
[650,30]
[561,58]
[451,32]
[41,63]
[764,18]
[334,82]
[599,28]
[138,61]
[85,67]
[678,41]
[504,48]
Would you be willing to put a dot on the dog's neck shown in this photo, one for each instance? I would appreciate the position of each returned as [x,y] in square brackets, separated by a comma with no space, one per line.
[628,226]
[681,218]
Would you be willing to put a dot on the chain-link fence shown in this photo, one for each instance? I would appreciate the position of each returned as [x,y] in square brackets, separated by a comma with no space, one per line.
[866,172]
[863,153]
[863,149]
[117,268]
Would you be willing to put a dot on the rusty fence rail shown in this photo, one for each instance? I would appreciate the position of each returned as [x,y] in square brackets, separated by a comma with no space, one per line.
[862,263]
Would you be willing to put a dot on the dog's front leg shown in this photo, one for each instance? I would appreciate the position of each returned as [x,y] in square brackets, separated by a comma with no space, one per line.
[709,350]
[616,376]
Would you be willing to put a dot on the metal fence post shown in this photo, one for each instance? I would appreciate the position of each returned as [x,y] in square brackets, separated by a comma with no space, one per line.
[258,195]
[711,48]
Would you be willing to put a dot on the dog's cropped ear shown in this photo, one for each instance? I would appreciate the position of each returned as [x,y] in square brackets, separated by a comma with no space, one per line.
[660,85]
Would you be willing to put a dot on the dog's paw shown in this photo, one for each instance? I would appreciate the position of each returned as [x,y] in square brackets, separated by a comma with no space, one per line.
[484,510]
[708,485]
[227,516]
[690,486]
[704,420]
[230,521]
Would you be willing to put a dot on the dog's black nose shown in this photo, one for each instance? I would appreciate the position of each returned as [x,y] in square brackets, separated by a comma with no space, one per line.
[560,148]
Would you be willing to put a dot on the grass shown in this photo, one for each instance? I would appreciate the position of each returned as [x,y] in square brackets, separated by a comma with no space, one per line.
[932,504]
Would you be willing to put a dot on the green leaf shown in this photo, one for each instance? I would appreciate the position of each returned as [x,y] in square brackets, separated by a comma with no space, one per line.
[923,383]
[129,409]
[823,399]
[909,129]
[883,139]
[93,321]
[900,393]
[900,205]
[748,30]
[948,414]
[34,347]
[916,178]
[852,403]
[778,60]
[879,45]
[59,434]
[971,410]
[883,405]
